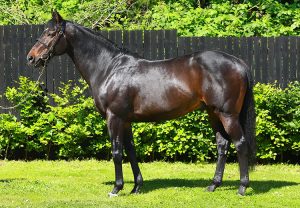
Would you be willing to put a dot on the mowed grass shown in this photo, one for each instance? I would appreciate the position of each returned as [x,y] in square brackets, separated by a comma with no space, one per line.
[87,183]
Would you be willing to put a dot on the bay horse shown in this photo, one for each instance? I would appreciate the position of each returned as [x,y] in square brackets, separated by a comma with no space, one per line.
[127,88]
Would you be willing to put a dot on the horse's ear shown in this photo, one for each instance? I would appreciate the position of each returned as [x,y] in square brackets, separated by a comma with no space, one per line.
[56,17]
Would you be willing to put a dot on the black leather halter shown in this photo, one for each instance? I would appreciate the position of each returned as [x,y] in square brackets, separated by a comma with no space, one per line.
[60,31]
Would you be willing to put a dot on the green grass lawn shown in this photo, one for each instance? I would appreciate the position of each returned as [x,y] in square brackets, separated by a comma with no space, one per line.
[87,183]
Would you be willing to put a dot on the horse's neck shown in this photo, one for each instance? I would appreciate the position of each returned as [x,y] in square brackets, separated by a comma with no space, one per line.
[90,54]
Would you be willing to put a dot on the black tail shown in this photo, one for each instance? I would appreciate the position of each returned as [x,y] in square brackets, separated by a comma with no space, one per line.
[248,120]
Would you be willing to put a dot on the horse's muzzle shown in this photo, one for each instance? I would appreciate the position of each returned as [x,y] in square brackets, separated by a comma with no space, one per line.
[35,62]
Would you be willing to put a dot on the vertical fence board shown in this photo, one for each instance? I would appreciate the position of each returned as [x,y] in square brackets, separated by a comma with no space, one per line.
[21,61]
[271,59]
[188,45]
[27,45]
[195,46]
[244,50]
[236,47]
[229,45]
[170,43]
[64,67]
[181,49]
[119,38]
[139,43]
[264,60]
[160,45]
[133,41]
[292,56]
[278,58]
[285,61]
[147,52]
[257,55]
[153,45]
[7,53]
[126,40]
[14,53]
[112,35]
[222,44]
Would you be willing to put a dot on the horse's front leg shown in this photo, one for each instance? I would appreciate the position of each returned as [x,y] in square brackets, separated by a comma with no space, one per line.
[116,131]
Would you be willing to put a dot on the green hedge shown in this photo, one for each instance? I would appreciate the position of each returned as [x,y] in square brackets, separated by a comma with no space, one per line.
[70,127]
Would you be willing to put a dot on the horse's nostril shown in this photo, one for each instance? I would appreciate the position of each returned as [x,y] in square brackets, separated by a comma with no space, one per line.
[30,58]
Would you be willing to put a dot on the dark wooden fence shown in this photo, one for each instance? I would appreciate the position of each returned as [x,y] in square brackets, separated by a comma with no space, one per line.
[270,58]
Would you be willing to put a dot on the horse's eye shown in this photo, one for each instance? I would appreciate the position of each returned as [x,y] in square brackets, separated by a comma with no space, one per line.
[50,33]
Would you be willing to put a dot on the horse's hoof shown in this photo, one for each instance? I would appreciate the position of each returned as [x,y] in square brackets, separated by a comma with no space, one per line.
[211,188]
[242,190]
[136,190]
[111,195]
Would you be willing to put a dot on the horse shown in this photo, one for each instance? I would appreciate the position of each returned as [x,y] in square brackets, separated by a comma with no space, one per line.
[127,88]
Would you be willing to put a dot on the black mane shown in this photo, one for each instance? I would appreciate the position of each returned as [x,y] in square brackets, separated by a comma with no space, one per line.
[107,41]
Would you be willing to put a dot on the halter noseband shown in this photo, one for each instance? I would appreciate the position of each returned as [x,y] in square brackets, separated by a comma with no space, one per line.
[59,32]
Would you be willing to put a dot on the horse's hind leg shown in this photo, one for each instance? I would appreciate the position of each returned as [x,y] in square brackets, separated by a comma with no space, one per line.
[233,128]
[130,151]
[222,146]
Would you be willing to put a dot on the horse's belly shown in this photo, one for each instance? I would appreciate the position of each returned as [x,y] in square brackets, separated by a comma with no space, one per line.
[165,110]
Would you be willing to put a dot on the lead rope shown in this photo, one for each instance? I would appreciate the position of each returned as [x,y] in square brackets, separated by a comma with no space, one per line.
[26,98]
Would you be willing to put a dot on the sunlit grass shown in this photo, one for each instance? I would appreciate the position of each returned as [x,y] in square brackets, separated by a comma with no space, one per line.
[86,184]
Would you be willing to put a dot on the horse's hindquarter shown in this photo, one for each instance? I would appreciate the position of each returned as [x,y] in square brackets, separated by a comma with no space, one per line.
[224,81]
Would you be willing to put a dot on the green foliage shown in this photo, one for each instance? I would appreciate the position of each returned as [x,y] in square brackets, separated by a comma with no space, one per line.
[67,126]
[267,18]
[278,121]
[188,138]
[210,18]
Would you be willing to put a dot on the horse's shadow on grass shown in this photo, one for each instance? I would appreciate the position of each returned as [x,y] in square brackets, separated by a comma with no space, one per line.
[9,180]
[258,187]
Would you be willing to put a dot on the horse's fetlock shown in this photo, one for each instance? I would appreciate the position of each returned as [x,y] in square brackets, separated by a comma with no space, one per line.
[245,182]
[139,179]
[119,184]
[217,181]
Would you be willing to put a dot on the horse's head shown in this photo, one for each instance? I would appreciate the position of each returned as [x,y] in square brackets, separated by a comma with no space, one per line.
[52,42]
